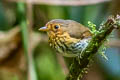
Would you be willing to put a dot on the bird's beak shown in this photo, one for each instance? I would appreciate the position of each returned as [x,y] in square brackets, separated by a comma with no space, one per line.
[43,28]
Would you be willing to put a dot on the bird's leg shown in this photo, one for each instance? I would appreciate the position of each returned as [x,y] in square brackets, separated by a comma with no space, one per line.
[78,58]
[80,54]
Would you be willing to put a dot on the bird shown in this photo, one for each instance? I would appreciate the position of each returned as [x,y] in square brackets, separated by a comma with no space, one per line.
[67,37]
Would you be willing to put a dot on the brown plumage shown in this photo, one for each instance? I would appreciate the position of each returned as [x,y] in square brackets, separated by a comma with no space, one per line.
[67,36]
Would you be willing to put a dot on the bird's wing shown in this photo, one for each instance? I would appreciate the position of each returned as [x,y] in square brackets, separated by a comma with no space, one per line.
[77,30]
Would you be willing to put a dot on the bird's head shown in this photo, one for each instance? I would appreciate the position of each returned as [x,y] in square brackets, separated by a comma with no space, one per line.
[56,26]
[60,26]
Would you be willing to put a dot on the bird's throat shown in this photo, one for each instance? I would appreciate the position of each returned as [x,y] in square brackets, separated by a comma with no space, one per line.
[61,42]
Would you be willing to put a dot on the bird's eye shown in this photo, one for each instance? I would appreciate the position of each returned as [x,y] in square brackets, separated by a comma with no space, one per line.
[56,26]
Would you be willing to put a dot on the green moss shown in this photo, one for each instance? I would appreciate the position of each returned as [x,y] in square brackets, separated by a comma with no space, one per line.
[94,31]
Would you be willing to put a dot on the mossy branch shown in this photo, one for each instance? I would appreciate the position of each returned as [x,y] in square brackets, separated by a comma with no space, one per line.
[80,65]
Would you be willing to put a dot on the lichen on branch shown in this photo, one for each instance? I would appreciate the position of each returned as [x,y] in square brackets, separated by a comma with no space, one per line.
[78,69]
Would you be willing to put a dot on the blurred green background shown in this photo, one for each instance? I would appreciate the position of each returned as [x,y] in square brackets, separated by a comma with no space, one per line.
[25,53]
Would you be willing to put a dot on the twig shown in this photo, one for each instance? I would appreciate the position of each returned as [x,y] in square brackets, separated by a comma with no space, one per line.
[32,75]
[77,69]
[114,43]
[62,63]
[8,36]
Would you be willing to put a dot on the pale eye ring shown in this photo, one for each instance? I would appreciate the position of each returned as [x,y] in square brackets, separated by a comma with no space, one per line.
[56,26]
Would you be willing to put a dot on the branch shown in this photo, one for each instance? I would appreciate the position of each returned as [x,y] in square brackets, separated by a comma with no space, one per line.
[62,2]
[78,69]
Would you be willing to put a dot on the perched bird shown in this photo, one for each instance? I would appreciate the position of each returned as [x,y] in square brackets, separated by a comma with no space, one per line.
[68,37]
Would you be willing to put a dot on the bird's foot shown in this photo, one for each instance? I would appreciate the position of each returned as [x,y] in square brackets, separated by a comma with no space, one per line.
[79,57]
